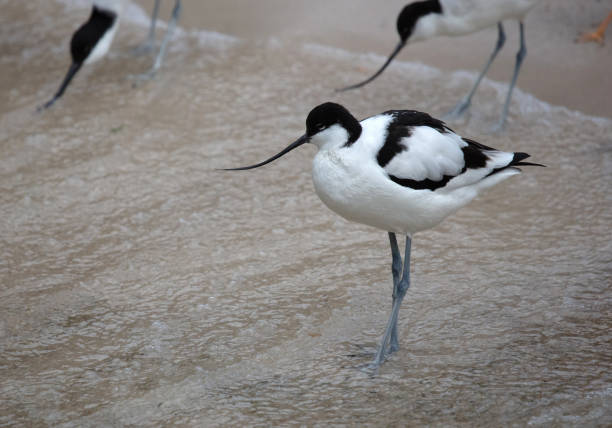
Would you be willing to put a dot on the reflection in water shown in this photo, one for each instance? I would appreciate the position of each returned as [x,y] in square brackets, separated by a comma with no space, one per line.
[141,285]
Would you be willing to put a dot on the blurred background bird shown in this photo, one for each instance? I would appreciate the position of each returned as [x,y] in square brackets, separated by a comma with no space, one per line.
[92,40]
[430,18]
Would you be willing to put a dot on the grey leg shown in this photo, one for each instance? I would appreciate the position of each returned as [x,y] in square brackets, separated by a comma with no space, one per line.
[176,12]
[402,287]
[520,56]
[149,44]
[396,268]
[464,104]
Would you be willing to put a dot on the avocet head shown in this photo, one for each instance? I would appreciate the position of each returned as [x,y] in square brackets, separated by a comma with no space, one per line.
[413,23]
[331,123]
[412,20]
[91,41]
[327,123]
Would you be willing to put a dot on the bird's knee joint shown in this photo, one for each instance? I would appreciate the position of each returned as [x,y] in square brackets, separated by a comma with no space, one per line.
[402,287]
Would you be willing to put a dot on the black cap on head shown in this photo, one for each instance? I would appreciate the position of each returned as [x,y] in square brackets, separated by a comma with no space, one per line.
[406,21]
[328,114]
[409,16]
[325,115]
[320,118]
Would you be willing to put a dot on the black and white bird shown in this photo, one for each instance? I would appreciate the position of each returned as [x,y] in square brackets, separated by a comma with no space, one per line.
[94,38]
[401,171]
[426,19]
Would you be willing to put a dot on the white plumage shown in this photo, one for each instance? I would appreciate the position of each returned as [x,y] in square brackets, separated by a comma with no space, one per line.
[401,171]
[350,181]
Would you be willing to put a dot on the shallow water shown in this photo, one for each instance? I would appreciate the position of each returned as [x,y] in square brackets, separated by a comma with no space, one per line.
[141,286]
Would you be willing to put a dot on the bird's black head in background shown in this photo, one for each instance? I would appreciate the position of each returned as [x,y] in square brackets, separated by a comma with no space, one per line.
[406,22]
[89,34]
[409,16]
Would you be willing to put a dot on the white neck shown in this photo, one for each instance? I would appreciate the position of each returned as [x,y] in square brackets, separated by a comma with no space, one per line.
[331,138]
[427,27]
[435,24]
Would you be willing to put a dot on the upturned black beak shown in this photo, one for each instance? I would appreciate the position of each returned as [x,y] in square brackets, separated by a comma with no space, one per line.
[302,140]
[74,67]
[398,48]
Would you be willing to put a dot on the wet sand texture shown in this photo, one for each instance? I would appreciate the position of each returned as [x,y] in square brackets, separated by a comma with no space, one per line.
[140,286]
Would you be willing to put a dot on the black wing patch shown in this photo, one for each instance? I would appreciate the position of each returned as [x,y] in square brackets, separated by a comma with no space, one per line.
[473,154]
[422,184]
[401,127]
[473,157]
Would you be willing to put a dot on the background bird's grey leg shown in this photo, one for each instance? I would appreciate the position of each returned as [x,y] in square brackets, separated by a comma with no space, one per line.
[396,268]
[402,287]
[464,104]
[520,55]
[176,12]
[148,45]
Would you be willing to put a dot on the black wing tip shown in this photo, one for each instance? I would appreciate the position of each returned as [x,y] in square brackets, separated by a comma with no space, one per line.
[519,156]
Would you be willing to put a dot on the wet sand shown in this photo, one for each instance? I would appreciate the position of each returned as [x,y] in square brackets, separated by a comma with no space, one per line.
[142,287]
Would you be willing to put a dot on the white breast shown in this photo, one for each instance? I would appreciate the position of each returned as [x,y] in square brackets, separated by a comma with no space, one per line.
[351,183]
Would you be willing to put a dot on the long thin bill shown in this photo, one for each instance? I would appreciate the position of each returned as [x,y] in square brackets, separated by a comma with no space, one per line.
[398,48]
[303,139]
[74,67]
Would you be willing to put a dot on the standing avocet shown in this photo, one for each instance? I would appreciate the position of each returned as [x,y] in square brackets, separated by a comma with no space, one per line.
[401,171]
[430,18]
[93,39]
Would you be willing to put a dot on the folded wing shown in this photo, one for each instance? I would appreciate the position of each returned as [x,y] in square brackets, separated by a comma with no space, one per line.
[422,153]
